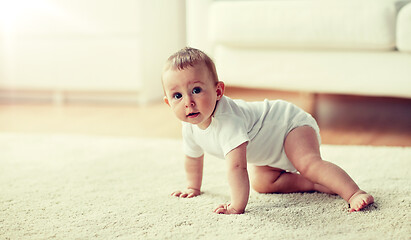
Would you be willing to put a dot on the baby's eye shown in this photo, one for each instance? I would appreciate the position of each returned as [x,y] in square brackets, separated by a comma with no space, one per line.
[196,90]
[177,95]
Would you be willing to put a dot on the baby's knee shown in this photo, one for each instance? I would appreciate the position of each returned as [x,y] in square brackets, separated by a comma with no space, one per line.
[264,184]
[309,164]
[260,187]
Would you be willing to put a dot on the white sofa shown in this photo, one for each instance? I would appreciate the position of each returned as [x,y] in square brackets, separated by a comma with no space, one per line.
[360,47]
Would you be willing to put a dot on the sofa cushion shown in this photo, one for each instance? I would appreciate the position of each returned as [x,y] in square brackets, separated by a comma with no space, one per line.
[359,24]
[404,29]
[375,73]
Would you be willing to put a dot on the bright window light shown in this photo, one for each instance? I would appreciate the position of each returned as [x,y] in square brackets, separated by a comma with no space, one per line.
[16,12]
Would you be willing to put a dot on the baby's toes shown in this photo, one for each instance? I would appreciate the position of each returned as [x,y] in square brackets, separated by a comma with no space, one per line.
[353,208]
[361,205]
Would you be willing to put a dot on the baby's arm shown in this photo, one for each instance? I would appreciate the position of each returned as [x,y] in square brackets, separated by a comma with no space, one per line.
[194,173]
[238,181]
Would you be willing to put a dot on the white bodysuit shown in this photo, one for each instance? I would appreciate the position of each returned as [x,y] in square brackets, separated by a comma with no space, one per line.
[264,125]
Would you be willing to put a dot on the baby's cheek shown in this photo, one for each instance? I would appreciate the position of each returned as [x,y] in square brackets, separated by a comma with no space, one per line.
[179,112]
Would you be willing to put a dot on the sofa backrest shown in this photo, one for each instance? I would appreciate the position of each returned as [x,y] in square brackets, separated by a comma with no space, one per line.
[308,24]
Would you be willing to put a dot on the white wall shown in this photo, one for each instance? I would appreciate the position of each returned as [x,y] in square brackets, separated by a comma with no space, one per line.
[88,45]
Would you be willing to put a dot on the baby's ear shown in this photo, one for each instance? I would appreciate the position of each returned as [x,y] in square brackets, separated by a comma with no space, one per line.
[220,90]
[166,100]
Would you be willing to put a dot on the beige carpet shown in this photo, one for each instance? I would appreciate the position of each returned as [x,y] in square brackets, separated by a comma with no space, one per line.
[84,187]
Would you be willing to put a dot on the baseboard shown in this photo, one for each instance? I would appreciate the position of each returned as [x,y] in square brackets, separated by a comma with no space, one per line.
[67,97]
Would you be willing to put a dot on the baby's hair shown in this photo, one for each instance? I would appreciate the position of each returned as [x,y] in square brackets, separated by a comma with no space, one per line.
[190,57]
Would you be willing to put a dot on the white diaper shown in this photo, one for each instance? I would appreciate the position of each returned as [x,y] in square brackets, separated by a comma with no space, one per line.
[267,147]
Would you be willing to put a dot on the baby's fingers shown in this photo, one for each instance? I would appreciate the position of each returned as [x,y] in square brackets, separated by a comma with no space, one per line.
[227,209]
[184,195]
[221,206]
[191,195]
[222,209]
[176,194]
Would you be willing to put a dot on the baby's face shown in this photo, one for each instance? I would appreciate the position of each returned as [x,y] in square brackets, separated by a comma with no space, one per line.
[192,94]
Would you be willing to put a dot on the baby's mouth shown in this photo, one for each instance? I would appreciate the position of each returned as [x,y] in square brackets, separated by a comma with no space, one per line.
[193,115]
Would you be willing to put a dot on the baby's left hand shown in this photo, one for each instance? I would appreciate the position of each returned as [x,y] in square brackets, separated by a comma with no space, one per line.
[227,209]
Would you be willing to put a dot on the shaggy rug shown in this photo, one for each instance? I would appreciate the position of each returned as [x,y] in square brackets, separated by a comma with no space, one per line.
[85,187]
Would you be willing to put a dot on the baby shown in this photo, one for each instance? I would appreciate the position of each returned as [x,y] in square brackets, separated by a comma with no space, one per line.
[279,140]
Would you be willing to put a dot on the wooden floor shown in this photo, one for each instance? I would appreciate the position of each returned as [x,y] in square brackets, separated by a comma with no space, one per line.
[344,120]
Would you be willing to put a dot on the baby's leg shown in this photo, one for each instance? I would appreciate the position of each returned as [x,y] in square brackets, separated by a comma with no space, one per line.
[265,179]
[303,150]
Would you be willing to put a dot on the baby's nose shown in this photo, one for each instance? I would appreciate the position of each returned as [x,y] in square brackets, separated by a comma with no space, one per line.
[189,102]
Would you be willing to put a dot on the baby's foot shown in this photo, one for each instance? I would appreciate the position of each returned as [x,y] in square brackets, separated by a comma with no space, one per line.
[360,200]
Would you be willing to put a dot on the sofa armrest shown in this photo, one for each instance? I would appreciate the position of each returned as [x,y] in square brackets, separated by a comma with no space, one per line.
[404,29]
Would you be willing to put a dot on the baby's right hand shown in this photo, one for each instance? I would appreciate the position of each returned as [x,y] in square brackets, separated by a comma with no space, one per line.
[188,193]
